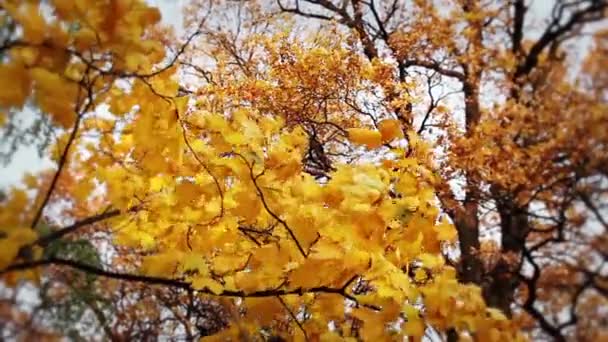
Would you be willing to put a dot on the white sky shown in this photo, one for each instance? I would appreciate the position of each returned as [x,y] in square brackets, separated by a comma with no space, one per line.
[171,10]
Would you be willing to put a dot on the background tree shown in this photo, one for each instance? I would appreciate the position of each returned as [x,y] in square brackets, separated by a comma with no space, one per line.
[518,165]
[306,170]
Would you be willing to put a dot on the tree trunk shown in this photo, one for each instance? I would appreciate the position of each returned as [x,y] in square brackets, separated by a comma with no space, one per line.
[501,283]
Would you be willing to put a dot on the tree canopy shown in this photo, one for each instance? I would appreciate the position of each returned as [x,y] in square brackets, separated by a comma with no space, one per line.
[309,170]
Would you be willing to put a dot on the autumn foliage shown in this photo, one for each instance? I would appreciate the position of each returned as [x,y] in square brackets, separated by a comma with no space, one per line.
[311,170]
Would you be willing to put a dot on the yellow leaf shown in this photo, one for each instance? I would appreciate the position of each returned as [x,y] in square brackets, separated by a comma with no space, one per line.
[407,184]
[325,249]
[414,326]
[181,104]
[85,37]
[204,282]
[304,229]
[187,193]
[194,262]
[83,190]
[420,275]
[147,241]
[30,181]
[198,145]
[248,205]
[157,183]
[235,138]
[496,314]
[34,26]
[330,305]
[255,281]
[135,61]
[390,129]
[264,310]
[362,136]
[223,264]
[160,265]
[12,241]
[373,325]
[151,15]
[131,236]
[260,257]
[318,272]
[15,84]
[431,261]
[445,230]
[55,96]
[64,8]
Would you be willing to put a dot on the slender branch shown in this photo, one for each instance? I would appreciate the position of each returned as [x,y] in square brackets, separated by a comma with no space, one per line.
[432,65]
[254,179]
[593,209]
[207,169]
[356,23]
[179,283]
[63,159]
[293,316]
[531,284]
[296,10]
[275,216]
[96,271]
[381,24]
[431,107]
[57,234]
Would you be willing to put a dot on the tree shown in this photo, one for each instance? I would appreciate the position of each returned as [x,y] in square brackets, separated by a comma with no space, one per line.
[394,172]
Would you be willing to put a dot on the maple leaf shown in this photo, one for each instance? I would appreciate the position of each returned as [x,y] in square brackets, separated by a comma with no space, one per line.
[363,136]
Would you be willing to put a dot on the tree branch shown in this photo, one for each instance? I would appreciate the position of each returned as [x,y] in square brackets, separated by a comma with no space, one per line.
[293,316]
[554,31]
[519,9]
[531,284]
[62,160]
[180,283]
[434,66]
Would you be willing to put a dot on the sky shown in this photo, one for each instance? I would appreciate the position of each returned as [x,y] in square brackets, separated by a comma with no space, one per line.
[171,10]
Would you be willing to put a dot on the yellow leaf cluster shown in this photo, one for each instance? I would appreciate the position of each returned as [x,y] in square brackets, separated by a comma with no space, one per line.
[239,214]
[363,136]
[50,56]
